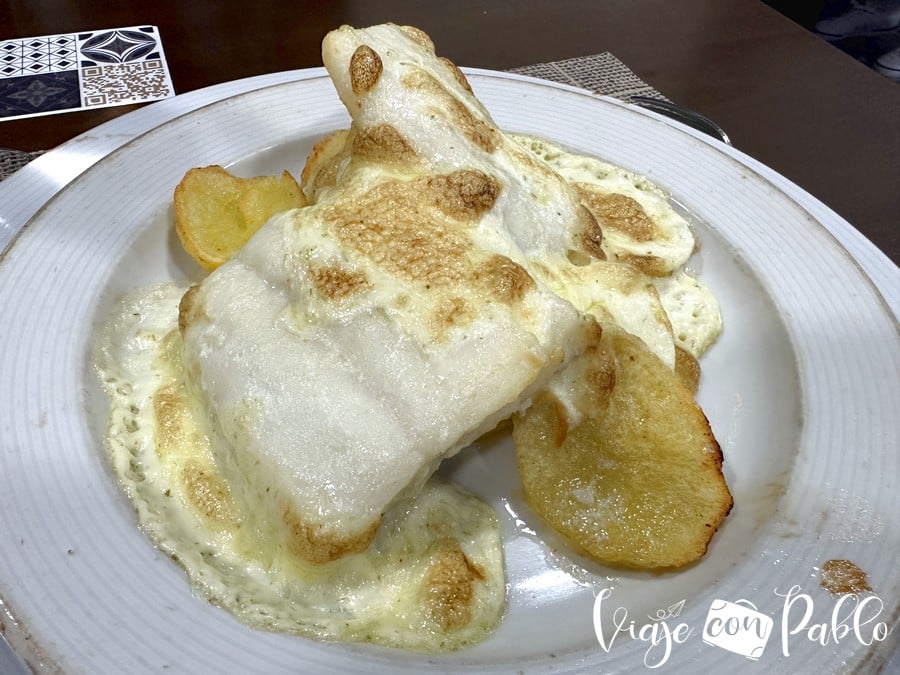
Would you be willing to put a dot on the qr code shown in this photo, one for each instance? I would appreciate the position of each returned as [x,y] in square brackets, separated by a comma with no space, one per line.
[125,83]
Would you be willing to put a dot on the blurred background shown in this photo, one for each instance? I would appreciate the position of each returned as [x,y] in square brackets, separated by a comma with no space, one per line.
[867,30]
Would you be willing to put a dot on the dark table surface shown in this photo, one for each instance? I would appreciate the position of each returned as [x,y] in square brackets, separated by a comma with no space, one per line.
[785,97]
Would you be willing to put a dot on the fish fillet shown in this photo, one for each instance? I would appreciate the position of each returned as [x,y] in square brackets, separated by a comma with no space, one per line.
[352,345]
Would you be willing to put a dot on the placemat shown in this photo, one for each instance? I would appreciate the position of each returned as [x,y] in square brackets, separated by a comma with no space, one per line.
[600,73]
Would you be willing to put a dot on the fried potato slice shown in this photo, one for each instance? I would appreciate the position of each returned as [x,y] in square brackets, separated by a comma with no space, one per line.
[216,212]
[637,480]
[687,368]
[323,164]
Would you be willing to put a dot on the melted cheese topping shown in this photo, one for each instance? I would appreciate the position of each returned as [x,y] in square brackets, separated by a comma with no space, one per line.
[431,580]
[640,286]
[651,295]
[639,225]
[693,311]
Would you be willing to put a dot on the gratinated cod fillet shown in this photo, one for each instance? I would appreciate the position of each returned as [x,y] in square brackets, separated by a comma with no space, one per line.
[352,345]
[432,580]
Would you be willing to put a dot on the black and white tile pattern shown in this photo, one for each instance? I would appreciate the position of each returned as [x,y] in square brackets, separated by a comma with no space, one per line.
[57,73]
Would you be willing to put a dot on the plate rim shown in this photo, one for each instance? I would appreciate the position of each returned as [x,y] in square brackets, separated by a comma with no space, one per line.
[124,148]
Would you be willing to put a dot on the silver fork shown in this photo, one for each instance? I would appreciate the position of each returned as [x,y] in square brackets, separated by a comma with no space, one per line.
[684,115]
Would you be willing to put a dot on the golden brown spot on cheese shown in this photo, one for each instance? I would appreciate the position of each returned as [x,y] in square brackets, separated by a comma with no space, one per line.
[464,194]
[532,163]
[457,74]
[591,234]
[840,577]
[336,283]
[402,233]
[188,311]
[208,494]
[597,379]
[473,128]
[365,69]
[418,36]
[316,544]
[176,434]
[169,415]
[650,265]
[687,368]
[618,212]
[449,587]
[504,279]
[578,258]
[382,144]
[451,312]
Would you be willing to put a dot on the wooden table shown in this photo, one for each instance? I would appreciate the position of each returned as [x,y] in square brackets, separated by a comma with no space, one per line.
[785,97]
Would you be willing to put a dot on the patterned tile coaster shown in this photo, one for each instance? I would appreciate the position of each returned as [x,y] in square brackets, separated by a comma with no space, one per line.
[76,71]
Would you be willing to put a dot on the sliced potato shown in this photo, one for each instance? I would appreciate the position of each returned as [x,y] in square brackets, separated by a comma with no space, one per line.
[322,165]
[216,212]
[637,481]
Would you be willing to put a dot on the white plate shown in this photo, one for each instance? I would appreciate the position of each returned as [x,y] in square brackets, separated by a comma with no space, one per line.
[802,392]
